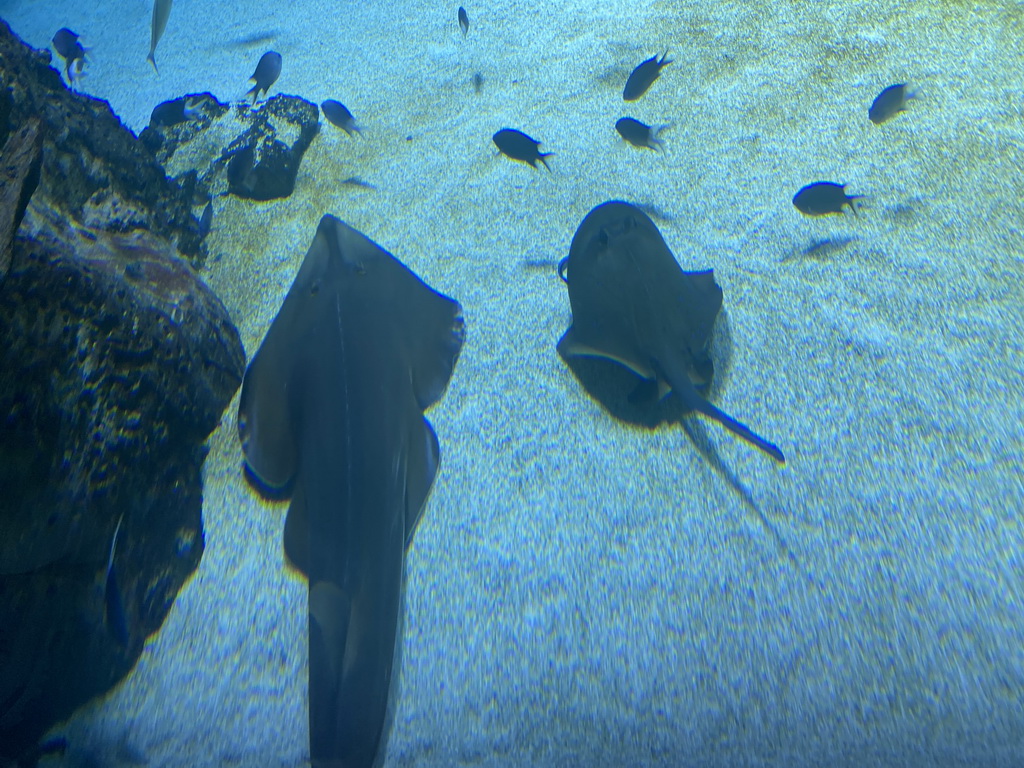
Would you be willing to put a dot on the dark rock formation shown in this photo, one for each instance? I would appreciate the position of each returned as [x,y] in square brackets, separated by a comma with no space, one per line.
[93,167]
[22,158]
[116,363]
[198,134]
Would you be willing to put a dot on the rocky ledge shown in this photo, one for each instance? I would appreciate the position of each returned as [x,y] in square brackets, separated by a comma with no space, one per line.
[116,363]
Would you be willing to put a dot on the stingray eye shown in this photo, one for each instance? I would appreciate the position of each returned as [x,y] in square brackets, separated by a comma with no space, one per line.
[602,238]
[314,289]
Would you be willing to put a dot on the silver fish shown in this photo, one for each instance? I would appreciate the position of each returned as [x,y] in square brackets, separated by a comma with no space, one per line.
[161,12]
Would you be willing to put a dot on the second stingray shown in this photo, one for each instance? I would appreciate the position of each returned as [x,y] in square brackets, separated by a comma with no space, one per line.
[633,303]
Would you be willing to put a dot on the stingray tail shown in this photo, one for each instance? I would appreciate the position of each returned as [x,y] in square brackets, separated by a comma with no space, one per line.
[682,386]
[353,635]
[740,430]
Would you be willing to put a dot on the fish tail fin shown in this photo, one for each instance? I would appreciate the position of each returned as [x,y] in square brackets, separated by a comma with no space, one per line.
[542,156]
[152,60]
[656,141]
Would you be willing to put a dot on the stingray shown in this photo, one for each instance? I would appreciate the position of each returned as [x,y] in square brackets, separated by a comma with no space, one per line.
[331,412]
[633,303]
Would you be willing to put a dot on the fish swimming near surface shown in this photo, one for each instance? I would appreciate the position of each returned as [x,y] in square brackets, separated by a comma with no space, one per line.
[463,21]
[267,71]
[890,103]
[632,303]
[69,46]
[640,135]
[338,114]
[161,12]
[641,78]
[823,198]
[116,621]
[331,411]
[518,146]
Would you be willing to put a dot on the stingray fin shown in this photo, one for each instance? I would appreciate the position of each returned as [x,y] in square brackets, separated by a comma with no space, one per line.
[571,346]
[424,460]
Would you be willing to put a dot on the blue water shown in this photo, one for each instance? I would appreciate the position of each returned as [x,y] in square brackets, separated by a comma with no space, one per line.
[583,591]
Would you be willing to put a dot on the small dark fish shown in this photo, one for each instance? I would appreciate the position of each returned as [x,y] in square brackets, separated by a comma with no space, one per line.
[640,135]
[641,78]
[266,74]
[70,48]
[463,21]
[240,167]
[172,112]
[518,146]
[889,103]
[206,221]
[478,82]
[338,114]
[823,198]
[116,621]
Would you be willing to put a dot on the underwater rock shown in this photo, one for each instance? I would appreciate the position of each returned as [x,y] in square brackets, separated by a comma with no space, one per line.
[212,133]
[193,113]
[93,169]
[21,160]
[116,363]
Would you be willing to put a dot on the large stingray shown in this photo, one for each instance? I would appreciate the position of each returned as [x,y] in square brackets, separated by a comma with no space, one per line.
[632,303]
[332,411]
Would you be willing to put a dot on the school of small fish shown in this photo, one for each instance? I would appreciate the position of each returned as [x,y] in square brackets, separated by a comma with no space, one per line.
[820,198]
